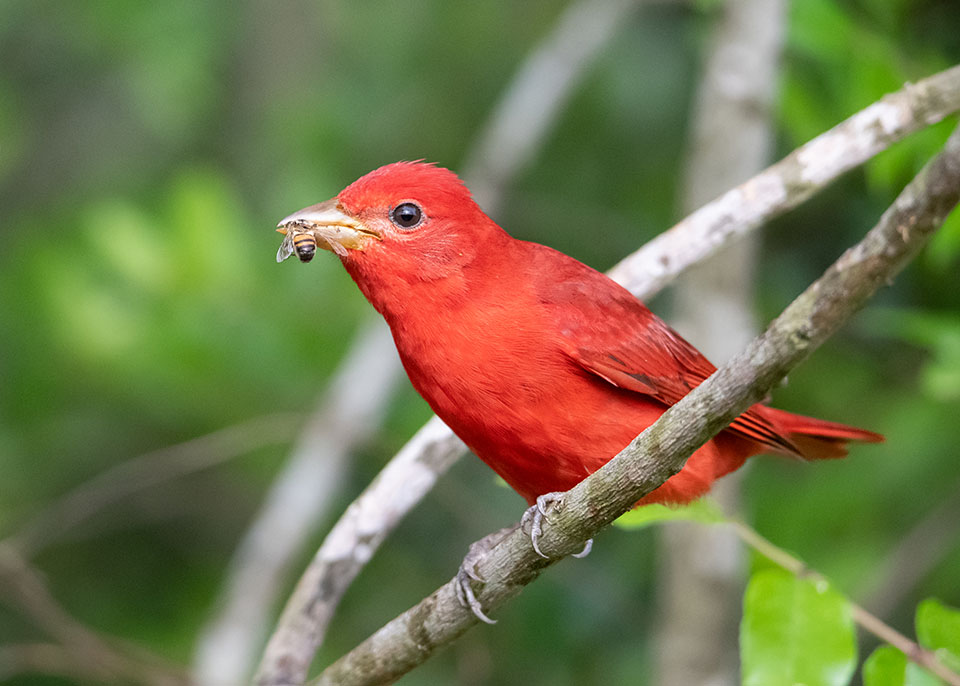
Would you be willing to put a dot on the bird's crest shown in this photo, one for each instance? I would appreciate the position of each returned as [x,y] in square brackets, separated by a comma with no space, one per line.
[417,181]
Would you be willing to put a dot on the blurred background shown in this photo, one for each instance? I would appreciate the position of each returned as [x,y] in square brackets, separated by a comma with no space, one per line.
[147,151]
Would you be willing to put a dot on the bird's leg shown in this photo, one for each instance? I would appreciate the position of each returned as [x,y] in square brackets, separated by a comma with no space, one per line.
[534,516]
[468,572]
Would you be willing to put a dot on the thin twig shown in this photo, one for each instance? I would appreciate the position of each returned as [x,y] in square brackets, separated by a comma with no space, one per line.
[145,471]
[526,111]
[870,622]
[660,451]
[49,658]
[23,588]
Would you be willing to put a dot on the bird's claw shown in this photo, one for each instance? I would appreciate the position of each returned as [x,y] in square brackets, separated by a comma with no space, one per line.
[468,573]
[587,547]
[534,516]
[467,597]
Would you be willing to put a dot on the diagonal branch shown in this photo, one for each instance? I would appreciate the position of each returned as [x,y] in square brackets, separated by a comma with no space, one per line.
[789,182]
[660,451]
[348,547]
[526,112]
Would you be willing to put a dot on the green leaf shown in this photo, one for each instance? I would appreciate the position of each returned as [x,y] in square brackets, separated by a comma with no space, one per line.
[704,511]
[938,628]
[887,666]
[795,631]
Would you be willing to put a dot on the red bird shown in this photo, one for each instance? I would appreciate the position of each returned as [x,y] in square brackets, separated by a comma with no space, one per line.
[545,367]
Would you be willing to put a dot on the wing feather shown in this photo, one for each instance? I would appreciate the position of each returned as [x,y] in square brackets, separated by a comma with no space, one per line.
[611,334]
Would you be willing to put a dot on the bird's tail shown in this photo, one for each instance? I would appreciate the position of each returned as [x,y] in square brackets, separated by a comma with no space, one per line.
[817,439]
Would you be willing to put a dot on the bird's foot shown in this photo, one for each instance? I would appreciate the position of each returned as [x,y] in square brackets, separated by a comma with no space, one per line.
[468,572]
[534,516]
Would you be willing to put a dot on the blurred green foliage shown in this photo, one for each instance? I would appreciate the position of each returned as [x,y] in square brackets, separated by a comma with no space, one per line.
[146,152]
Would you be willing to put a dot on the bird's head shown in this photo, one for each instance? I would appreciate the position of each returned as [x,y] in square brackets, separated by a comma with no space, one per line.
[403,224]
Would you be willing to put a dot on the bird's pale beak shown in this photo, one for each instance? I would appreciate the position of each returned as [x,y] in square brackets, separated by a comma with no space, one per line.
[332,228]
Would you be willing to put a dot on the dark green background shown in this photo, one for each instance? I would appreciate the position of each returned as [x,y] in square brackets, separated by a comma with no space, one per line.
[148,149]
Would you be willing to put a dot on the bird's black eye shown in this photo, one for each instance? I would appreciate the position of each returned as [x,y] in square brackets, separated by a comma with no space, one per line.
[406,216]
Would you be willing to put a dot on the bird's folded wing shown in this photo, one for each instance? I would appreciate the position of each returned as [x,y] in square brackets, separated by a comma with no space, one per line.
[633,349]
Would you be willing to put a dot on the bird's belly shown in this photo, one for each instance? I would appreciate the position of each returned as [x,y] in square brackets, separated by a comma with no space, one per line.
[557,449]
[542,437]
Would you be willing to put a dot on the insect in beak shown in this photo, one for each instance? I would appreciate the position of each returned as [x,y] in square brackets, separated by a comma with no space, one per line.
[326,226]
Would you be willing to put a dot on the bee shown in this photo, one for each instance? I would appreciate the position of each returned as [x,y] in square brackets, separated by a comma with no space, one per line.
[306,246]
[304,243]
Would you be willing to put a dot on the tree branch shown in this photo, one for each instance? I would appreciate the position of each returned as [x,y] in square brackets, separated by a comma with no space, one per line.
[348,547]
[541,87]
[661,450]
[789,182]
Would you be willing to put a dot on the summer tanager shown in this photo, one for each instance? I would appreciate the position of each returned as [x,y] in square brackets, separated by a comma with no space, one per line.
[545,367]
